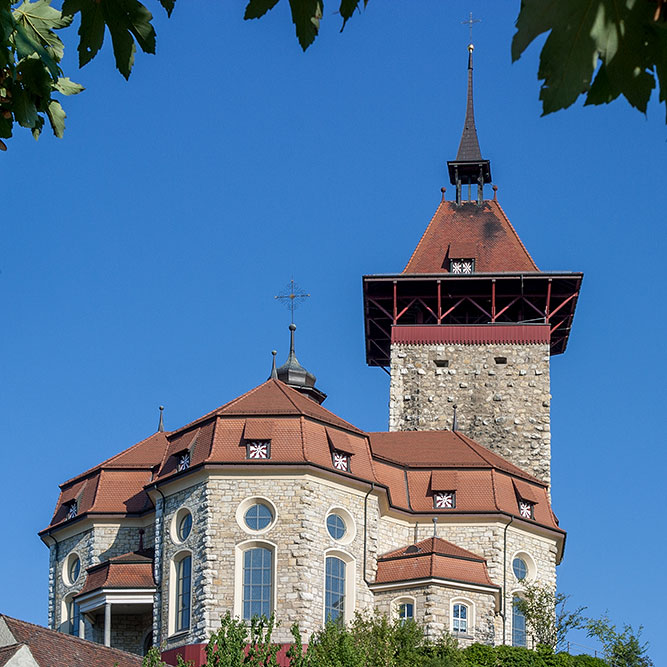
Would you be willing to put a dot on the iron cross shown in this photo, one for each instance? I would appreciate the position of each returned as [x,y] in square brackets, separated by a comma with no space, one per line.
[292,295]
[471,21]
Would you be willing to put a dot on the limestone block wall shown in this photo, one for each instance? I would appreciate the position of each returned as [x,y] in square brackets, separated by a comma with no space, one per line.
[433,610]
[80,544]
[501,392]
[169,549]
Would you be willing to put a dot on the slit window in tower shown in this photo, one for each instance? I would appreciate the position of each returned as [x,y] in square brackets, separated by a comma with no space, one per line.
[462,265]
[341,461]
[441,363]
[258,449]
[444,500]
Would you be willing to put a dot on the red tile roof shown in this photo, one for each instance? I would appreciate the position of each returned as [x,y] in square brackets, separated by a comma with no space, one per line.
[470,231]
[433,558]
[411,465]
[56,649]
[131,570]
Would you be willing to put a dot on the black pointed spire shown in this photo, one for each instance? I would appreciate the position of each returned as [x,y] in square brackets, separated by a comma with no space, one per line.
[292,373]
[160,426]
[469,166]
[274,374]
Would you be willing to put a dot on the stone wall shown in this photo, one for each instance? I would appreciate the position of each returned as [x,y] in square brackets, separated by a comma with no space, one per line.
[433,608]
[501,392]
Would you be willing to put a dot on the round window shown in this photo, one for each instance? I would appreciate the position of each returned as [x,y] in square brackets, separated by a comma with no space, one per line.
[184,526]
[520,568]
[74,569]
[336,526]
[258,517]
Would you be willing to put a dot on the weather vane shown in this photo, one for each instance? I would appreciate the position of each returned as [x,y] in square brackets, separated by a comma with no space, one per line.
[471,21]
[292,296]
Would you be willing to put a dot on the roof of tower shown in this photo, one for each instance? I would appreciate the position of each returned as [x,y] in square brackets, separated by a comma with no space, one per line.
[470,231]
[469,161]
[293,374]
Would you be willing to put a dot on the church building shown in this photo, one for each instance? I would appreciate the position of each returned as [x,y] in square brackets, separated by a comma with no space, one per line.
[271,504]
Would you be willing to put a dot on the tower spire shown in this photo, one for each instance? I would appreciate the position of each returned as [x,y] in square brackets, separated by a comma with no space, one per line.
[469,166]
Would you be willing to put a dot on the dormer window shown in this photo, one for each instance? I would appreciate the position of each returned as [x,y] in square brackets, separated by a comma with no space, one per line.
[526,509]
[341,460]
[444,500]
[462,265]
[72,509]
[258,449]
[183,461]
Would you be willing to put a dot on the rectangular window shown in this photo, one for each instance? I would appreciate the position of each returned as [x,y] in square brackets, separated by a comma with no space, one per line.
[406,612]
[460,620]
[183,586]
[257,582]
[74,618]
[334,590]
[518,625]
[462,265]
[444,500]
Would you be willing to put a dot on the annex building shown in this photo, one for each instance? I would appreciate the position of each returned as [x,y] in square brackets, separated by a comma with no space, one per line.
[273,504]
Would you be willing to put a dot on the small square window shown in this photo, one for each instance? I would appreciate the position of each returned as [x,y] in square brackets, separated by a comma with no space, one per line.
[462,265]
[526,509]
[441,363]
[501,360]
[444,500]
[340,460]
[183,461]
[258,449]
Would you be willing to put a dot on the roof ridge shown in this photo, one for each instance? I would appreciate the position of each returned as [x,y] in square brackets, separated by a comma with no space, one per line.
[423,236]
[511,226]
[67,637]
[111,458]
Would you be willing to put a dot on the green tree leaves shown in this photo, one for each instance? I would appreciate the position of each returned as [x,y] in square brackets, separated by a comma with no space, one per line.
[598,48]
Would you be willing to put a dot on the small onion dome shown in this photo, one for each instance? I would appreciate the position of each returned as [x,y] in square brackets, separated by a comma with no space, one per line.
[293,374]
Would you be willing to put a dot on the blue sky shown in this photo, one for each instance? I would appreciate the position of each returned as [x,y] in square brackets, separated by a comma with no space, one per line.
[141,254]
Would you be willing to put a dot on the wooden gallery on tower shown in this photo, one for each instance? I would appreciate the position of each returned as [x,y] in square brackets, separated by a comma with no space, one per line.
[273,504]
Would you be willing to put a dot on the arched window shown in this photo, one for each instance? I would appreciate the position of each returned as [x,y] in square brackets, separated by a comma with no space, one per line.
[183,588]
[518,624]
[257,582]
[460,617]
[73,617]
[406,612]
[334,589]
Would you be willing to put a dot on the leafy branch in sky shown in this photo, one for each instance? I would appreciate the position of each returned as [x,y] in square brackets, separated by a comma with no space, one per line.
[600,49]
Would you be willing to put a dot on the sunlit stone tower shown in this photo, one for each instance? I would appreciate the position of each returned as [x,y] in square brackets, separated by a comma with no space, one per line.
[471,323]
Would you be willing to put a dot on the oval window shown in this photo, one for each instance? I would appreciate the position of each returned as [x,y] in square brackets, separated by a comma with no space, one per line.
[74,569]
[184,526]
[520,568]
[336,526]
[258,517]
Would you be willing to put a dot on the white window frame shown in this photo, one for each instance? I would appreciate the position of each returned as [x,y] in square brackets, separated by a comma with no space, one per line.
[530,565]
[350,583]
[239,553]
[348,520]
[516,594]
[173,592]
[470,617]
[245,505]
[66,619]
[66,567]
[396,606]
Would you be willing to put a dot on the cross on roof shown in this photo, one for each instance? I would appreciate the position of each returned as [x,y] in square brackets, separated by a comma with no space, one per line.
[292,296]
[471,21]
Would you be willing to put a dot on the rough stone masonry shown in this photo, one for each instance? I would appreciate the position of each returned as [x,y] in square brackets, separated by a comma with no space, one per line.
[501,392]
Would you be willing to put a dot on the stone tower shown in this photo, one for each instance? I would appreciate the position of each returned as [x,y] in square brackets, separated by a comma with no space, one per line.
[470,325]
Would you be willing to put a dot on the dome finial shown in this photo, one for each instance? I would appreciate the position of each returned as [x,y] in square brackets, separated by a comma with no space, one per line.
[274,374]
